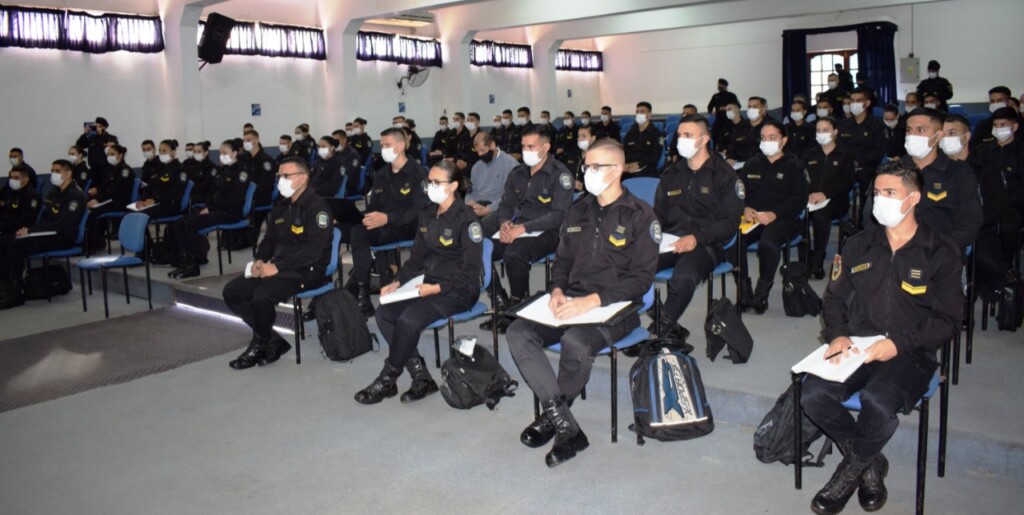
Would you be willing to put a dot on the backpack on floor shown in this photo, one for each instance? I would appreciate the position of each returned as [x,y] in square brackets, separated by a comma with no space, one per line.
[341,328]
[773,439]
[669,402]
[724,327]
[798,298]
[45,282]
[10,294]
[1011,309]
[471,376]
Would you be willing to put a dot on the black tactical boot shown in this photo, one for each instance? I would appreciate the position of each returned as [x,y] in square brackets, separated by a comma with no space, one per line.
[538,433]
[422,384]
[251,356]
[746,293]
[666,328]
[309,313]
[188,267]
[759,301]
[872,493]
[817,266]
[569,438]
[381,388]
[363,298]
[501,304]
[273,350]
[833,497]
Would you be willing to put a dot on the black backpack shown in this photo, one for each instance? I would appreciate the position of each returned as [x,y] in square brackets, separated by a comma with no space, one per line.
[724,327]
[1011,311]
[341,327]
[669,402]
[773,439]
[468,381]
[798,298]
[45,282]
[10,294]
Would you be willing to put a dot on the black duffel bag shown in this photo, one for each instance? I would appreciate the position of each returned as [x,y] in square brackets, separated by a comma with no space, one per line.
[46,282]
[798,298]
[723,327]
[471,380]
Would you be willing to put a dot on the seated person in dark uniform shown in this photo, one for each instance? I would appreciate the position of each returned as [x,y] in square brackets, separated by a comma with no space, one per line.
[225,206]
[79,166]
[537,195]
[17,158]
[351,166]
[894,133]
[998,98]
[203,173]
[292,257]
[285,148]
[800,133]
[415,150]
[19,202]
[836,95]
[448,253]
[722,134]
[440,141]
[465,157]
[304,145]
[392,210]
[112,195]
[672,139]
[608,128]
[585,138]
[62,214]
[776,191]
[900,280]
[642,144]
[522,124]
[746,135]
[151,163]
[1002,190]
[566,138]
[699,199]
[607,253]
[830,170]
[166,185]
[503,132]
[327,176]
[360,140]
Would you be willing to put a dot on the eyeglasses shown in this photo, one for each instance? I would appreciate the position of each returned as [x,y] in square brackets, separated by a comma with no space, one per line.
[596,167]
[431,182]
[288,176]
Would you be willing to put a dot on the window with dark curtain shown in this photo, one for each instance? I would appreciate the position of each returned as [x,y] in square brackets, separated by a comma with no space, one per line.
[63,29]
[501,55]
[579,61]
[254,38]
[395,48]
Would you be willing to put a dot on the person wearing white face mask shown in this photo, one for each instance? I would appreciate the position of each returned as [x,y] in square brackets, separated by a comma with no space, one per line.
[894,133]
[164,192]
[292,256]
[950,203]
[448,253]
[522,124]
[262,170]
[392,207]
[607,128]
[698,199]
[864,136]
[607,253]
[776,195]
[17,158]
[326,175]
[79,166]
[304,145]
[831,172]
[285,148]
[799,131]
[460,139]
[545,120]
[941,87]
[998,98]
[351,166]
[440,142]
[62,214]
[747,133]
[1002,193]
[111,194]
[225,205]
[722,133]
[717,107]
[503,131]
[565,139]
[585,138]
[642,144]
[151,164]
[836,94]
[464,156]
[19,202]
[900,282]
[360,140]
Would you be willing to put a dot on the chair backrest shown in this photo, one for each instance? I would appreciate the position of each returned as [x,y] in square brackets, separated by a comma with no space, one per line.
[275,194]
[249,193]
[333,265]
[136,186]
[648,300]
[488,250]
[735,237]
[81,228]
[185,197]
[132,233]
[344,186]
[642,187]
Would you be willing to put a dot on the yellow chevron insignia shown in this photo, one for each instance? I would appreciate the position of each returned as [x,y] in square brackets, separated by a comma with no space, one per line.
[445,242]
[298,230]
[913,290]
[405,191]
[617,242]
[544,200]
[938,196]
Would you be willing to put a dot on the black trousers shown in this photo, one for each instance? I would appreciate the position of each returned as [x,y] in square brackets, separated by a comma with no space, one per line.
[770,240]
[361,239]
[254,300]
[96,226]
[821,224]
[886,388]
[186,231]
[16,251]
[688,271]
[518,255]
[580,344]
[402,322]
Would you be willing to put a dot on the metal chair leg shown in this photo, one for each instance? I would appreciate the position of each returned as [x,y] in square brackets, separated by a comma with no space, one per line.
[220,264]
[81,284]
[956,358]
[615,398]
[149,287]
[922,457]
[451,337]
[127,293]
[297,321]
[798,411]
[437,350]
[106,306]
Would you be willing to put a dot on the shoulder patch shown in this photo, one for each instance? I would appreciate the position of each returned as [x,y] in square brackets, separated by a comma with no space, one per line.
[243,176]
[322,219]
[73,206]
[837,267]
[566,180]
[476,232]
[656,232]
[35,203]
[741,190]
[267,166]
[183,177]
[125,173]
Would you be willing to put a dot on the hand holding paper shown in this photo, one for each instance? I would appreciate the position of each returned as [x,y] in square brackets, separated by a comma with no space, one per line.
[409,290]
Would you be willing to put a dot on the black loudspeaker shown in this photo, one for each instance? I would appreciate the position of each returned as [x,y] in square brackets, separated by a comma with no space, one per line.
[215,38]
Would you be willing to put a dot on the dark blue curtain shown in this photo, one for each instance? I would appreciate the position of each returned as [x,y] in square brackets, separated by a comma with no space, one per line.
[796,76]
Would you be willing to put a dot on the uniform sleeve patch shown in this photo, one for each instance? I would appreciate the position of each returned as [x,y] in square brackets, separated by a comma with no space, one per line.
[837,267]
[476,233]
[35,203]
[741,190]
[183,177]
[73,206]
[125,173]
[243,176]
[656,232]
[322,220]
[267,166]
[566,181]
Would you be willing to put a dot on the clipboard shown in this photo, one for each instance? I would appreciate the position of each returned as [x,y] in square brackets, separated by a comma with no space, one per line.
[345,211]
[625,311]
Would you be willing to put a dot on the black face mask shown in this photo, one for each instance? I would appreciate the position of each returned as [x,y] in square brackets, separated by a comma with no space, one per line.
[488,156]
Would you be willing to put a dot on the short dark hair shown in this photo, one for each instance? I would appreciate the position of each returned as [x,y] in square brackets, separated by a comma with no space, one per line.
[507,111]
[800,103]
[1000,89]
[891,108]
[698,119]
[545,113]
[297,161]
[606,108]
[772,122]
[285,137]
[251,132]
[443,117]
[539,130]
[609,144]
[233,144]
[829,120]
[961,119]
[570,113]
[933,115]
[588,128]
[19,151]
[247,125]
[585,113]
[21,169]
[398,134]
[360,121]
[908,173]
[689,106]
[759,99]
[460,114]
[144,142]
[524,109]
[861,91]
[331,142]
[486,136]
[645,104]
[913,94]
[474,115]
[1005,113]
[64,164]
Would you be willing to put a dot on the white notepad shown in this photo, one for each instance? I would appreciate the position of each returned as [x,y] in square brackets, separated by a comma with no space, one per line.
[407,291]
[134,206]
[37,234]
[816,364]
[105,202]
[538,311]
[533,234]
[668,243]
[814,207]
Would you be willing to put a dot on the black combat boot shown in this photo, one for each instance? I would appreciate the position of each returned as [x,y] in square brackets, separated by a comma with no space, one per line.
[188,266]
[817,266]
[275,347]
[872,493]
[746,293]
[501,304]
[539,432]
[422,384]
[381,388]
[833,497]
[363,298]
[251,356]
[569,438]
[759,301]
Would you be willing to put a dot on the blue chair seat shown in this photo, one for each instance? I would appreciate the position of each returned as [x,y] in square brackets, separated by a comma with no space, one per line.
[404,244]
[241,224]
[664,275]
[93,264]
[111,214]
[73,251]
[309,294]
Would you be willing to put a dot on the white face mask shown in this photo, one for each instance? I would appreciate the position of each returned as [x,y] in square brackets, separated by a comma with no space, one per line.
[545,119]
[148,154]
[641,118]
[891,123]
[531,157]
[857,108]
[520,121]
[910,107]
[753,114]
[165,158]
[357,131]
[299,136]
[583,144]
[770,148]
[569,122]
[847,109]
[822,113]
[112,160]
[505,122]
[1002,133]
[323,152]
[56,179]
[189,154]
[932,105]
[437,194]
[248,146]
[951,145]
[594,182]
[584,121]
[730,114]
[284,187]
[388,154]
[73,158]
[605,118]
[823,138]
[398,125]
[14,185]
[226,160]
[994,106]
[796,116]
[888,211]
[283,148]
[14,161]
[457,125]
[917,146]
[687,147]
[351,133]
[470,126]
[833,84]
[932,75]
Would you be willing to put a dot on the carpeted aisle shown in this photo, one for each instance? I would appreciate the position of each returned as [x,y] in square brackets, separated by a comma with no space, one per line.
[63,362]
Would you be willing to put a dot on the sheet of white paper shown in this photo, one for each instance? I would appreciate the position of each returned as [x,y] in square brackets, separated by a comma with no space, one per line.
[466,346]
[37,234]
[816,364]
[134,206]
[533,234]
[406,291]
[668,243]
[105,202]
[814,207]
[248,269]
[538,311]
